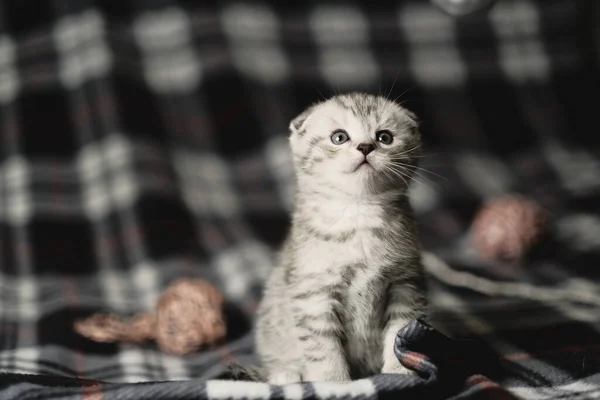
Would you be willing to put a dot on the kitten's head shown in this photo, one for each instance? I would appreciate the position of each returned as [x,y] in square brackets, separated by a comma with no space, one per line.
[358,143]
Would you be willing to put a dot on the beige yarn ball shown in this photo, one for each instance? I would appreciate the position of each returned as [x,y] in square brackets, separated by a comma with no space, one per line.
[188,316]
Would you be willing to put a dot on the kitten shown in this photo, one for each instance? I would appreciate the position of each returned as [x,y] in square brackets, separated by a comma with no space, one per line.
[349,275]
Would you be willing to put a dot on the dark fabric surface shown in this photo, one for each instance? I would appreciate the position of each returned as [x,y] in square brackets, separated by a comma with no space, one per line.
[442,367]
[145,141]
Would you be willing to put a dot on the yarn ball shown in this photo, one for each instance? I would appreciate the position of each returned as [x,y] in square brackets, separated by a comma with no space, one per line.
[505,228]
[188,315]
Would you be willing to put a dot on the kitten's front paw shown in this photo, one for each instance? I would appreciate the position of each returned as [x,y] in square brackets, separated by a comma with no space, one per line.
[284,377]
[317,374]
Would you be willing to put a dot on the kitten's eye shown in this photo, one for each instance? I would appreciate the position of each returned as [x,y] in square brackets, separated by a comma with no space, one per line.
[384,137]
[339,137]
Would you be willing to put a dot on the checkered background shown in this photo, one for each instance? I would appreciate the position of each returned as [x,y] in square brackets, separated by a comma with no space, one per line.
[143,141]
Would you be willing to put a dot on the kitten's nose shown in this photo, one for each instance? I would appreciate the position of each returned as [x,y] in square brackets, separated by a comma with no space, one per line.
[365,148]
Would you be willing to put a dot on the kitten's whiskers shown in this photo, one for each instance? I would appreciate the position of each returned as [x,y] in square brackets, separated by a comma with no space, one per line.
[401,172]
[404,165]
[407,151]
[391,172]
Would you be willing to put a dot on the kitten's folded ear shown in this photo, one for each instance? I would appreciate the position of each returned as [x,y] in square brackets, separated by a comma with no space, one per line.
[414,122]
[298,123]
[413,118]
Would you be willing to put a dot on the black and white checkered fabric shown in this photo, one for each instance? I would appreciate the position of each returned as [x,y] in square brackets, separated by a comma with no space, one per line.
[143,141]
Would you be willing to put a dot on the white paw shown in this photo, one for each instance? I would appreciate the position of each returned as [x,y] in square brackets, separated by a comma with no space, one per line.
[284,377]
[330,375]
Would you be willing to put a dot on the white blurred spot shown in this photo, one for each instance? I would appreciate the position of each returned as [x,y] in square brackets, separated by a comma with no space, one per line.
[254,33]
[580,231]
[342,32]
[339,24]
[83,51]
[249,21]
[576,168]
[434,56]
[176,72]
[522,55]
[9,79]
[423,198]
[133,366]
[266,63]
[170,62]
[241,266]
[205,184]
[28,305]
[348,67]
[162,29]
[17,177]
[145,279]
[486,175]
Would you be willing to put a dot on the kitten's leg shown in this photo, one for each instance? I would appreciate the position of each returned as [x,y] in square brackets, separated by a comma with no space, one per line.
[319,331]
[275,344]
[283,377]
[405,303]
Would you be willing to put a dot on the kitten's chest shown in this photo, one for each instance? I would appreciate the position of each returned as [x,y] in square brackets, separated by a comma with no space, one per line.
[363,318]
[355,268]
[359,246]
[346,234]
[363,301]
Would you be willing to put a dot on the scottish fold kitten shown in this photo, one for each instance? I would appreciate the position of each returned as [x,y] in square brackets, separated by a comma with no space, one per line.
[349,274]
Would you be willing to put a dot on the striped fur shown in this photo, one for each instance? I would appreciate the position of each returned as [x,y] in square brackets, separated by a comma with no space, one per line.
[349,275]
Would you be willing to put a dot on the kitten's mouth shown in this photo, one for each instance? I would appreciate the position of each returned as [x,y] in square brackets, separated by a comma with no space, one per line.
[363,164]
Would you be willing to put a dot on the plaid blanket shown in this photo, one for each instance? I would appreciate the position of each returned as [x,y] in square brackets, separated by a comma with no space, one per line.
[144,141]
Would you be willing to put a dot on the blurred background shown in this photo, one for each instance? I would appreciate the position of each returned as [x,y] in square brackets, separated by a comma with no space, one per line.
[143,141]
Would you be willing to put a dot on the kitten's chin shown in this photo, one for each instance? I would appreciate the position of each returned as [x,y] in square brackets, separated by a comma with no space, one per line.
[364,167]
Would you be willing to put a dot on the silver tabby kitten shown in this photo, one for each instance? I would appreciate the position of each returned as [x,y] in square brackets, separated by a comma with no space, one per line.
[349,275]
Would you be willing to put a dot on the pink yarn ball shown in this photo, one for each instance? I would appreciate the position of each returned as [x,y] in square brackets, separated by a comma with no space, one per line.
[506,227]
